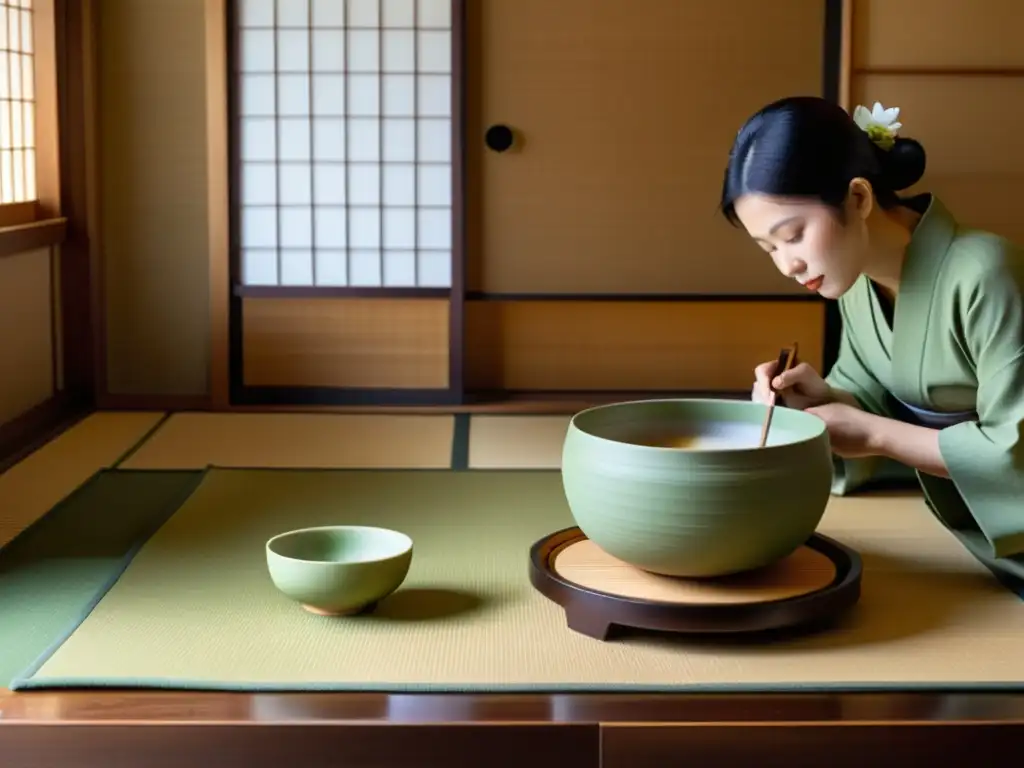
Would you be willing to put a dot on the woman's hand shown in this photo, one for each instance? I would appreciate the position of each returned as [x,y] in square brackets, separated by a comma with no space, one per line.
[800,387]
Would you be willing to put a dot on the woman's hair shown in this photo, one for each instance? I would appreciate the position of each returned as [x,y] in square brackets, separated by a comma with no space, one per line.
[806,146]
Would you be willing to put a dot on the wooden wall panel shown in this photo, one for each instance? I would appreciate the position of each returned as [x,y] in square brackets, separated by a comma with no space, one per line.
[153,207]
[26,332]
[969,125]
[992,203]
[948,65]
[976,166]
[625,113]
[633,346]
[350,342]
[937,33]
[57,317]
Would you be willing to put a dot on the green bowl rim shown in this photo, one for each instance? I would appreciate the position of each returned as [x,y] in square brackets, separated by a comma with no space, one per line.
[823,429]
[334,563]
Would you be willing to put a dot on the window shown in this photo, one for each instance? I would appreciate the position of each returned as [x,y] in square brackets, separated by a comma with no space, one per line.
[344,124]
[28,112]
[17,103]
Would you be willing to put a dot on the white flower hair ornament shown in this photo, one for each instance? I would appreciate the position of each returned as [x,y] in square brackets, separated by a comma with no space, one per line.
[880,124]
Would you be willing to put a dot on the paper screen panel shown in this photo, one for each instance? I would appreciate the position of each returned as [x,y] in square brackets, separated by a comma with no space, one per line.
[345,126]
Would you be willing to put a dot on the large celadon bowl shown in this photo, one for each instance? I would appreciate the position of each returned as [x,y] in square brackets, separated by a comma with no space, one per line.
[681,488]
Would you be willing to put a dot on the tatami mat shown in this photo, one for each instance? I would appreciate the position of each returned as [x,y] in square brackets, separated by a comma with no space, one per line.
[298,440]
[517,442]
[29,489]
[51,573]
[196,609]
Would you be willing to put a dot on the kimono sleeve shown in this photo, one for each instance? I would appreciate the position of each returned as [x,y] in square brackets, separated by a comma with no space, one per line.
[852,374]
[985,458]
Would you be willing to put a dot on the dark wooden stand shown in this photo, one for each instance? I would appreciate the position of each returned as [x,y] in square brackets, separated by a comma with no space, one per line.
[598,612]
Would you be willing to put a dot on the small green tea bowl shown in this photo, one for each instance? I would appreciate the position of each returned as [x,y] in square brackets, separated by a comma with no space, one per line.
[681,488]
[339,570]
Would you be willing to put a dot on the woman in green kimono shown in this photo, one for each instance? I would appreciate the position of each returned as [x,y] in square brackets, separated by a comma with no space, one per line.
[930,372]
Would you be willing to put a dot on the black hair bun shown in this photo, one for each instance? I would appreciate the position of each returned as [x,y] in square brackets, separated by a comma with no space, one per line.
[903,165]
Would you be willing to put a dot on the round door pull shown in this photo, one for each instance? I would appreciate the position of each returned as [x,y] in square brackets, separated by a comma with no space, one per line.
[499,138]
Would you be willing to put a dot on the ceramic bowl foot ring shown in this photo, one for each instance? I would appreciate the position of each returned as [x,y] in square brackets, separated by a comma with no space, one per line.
[369,608]
[813,586]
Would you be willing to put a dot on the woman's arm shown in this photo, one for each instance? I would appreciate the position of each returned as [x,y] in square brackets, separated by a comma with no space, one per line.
[911,445]
[846,398]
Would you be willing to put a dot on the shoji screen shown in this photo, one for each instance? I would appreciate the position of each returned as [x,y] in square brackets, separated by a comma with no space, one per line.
[344,114]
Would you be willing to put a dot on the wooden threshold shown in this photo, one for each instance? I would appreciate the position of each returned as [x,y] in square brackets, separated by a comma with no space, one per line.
[495,402]
[127,402]
[116,728]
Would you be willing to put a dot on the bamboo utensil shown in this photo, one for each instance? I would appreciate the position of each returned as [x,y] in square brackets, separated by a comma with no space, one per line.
[787,359]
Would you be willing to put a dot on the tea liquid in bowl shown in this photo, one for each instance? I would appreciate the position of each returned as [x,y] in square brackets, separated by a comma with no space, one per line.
[693,437]
[694,434]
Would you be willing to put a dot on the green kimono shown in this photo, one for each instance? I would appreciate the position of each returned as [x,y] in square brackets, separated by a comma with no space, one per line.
[953,360]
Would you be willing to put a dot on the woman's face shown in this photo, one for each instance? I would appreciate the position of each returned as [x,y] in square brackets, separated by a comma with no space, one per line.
[806,240]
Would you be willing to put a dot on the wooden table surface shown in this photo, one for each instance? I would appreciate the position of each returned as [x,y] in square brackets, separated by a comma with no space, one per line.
[114,728]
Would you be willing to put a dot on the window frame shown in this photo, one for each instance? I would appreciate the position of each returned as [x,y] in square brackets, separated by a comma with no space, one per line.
[38,223]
